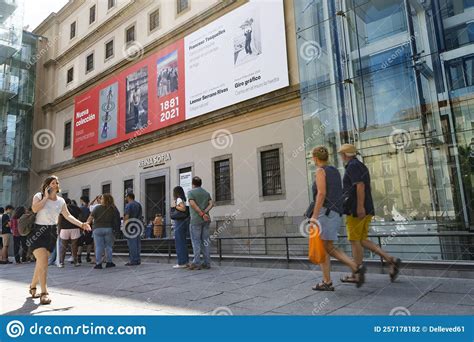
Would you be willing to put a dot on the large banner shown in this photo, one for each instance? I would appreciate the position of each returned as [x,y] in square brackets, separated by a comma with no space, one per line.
[237,57]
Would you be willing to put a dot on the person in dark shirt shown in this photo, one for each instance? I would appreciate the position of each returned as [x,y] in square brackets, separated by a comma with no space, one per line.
[86,239]
[359,208]
[106,217]
[6,234]
[18,240]
[134,227]
[69,233]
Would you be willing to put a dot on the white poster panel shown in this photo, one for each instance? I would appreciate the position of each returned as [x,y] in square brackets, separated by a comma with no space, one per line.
[185,181]
[237,57]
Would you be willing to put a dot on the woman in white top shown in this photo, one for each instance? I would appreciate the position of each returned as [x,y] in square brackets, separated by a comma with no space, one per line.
[47,205]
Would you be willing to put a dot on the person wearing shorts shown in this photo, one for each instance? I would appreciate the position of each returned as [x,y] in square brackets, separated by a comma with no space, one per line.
[327,215]
[42,239]
[69,232]
[359,208]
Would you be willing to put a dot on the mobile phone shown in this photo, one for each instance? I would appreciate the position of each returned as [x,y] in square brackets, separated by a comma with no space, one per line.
[49,190]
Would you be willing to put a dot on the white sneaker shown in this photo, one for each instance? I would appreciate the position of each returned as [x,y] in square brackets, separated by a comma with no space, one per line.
[180,266]
[61,265]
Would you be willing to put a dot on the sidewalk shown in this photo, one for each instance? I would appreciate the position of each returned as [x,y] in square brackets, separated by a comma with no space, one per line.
[157,289]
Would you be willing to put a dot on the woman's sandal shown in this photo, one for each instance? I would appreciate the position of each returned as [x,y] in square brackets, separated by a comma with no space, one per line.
[395,269]
[44,299]
[323,286]
[33,292]
[349,279]
[360,274]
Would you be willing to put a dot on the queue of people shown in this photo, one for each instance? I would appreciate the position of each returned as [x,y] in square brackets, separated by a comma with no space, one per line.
[96,223]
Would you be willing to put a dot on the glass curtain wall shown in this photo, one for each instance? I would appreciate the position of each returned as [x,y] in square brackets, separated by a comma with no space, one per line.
[391,77]
[16,116]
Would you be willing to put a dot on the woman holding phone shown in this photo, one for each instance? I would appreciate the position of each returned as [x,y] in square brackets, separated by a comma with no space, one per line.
[48,206]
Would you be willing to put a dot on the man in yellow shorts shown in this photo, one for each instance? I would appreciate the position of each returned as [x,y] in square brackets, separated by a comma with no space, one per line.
[359,208]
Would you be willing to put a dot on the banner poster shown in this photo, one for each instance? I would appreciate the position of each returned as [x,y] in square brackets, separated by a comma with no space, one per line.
[237,57]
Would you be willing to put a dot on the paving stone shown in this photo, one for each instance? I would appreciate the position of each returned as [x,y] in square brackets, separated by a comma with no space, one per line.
[157,289]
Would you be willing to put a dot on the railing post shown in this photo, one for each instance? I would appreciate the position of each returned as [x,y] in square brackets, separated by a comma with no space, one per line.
[219,248]
[380,246]
[287,249]
[169,249]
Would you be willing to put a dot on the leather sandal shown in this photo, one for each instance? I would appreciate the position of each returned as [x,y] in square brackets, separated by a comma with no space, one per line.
[395,269]
[33,292]
[360,274]
[323,286]
[44,299]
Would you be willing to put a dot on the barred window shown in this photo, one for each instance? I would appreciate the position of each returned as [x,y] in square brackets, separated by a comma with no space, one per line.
[70,75]
[271,173]
[154,20]
[72,32]
[110,4]
[182,5]
[130,34]
[86,192]
[90,62]
[109,49]
[67,135]
[91,14]
[106,188]
[222,180]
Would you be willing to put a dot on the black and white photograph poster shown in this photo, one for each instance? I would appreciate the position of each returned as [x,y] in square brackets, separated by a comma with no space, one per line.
[247,41]
[167,74]
[137,100]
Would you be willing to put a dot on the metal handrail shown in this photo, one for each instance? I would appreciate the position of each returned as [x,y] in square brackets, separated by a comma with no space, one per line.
[285,241]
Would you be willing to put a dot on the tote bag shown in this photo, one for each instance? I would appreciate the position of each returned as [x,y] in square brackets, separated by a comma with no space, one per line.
[316,251]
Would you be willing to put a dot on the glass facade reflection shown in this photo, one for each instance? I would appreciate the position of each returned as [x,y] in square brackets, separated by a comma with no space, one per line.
[17,84]
[395,78]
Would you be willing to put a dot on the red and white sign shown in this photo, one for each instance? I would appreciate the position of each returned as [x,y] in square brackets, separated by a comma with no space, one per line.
[238,56]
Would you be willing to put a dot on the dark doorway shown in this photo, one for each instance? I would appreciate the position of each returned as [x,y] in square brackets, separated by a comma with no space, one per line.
[155,197]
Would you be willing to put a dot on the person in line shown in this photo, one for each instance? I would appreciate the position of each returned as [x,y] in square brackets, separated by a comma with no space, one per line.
[18,240]
[327,214]
[201,203]
[69,232]
[181,226]
[133,210]
[6,234]
[359,208]
[53,257]
[85,240]
[105,218]
[47,205]
[158,226]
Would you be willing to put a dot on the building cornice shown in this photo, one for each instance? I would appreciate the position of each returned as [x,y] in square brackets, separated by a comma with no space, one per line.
[276,97]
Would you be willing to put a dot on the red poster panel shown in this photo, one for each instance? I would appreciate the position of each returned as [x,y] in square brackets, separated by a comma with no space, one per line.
[145,97]
[85,123]
[170,90]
